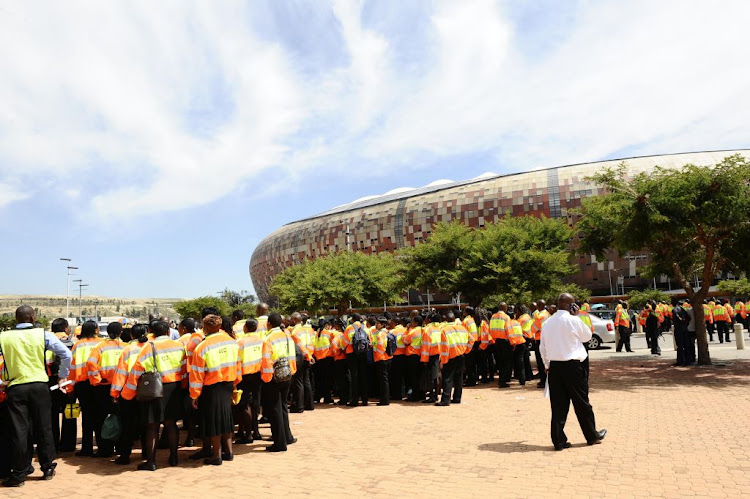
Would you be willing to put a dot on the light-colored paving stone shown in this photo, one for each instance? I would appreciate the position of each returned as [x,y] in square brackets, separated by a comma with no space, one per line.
[673,432]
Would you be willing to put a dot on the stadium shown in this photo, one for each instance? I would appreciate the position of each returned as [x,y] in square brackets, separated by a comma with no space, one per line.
[404,217]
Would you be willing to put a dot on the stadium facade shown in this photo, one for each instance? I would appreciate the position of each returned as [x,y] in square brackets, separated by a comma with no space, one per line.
[404,217]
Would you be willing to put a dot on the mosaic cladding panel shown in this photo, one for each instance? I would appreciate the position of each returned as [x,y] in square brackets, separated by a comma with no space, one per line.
[408,221]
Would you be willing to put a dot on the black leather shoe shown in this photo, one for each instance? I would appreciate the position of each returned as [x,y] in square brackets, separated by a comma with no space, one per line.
[227,456]
[351,404]
[503,385]
[566,445]
[292,441]
[122,460]
[85,453]
[147,467]
[263,420]
[243,440]
[48,474]
[274,448]
[13,482]
[213,461]
[201,454]
[455,401]
[383,403]
[442,404]
[173,460]
[599,437]
[256,436]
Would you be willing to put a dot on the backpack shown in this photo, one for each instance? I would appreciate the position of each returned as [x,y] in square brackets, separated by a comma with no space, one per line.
[391,346]
[360,340]
[281,370]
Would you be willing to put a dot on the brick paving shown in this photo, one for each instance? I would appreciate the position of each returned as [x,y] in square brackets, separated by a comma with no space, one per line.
[673,432]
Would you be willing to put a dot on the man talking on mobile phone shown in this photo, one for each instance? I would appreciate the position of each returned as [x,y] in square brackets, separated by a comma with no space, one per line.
[563,351]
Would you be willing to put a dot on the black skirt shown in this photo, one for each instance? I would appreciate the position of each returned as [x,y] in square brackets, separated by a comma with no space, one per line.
[215,409]
[166,408]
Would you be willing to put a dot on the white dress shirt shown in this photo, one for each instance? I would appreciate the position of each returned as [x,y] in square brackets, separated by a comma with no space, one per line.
[563,336]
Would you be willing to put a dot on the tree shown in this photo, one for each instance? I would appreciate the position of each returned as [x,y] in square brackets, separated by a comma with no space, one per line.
[691,221]
[336,280]
[740,287]
[239,300]
[192,308]
[638,299]
[517,258]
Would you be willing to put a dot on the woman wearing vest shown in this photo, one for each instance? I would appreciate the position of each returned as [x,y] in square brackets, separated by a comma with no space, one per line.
[250,353]
[168,358]
[214,371]
[91,419]
[277,368]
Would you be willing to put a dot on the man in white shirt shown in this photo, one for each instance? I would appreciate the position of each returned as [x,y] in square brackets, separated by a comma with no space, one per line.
[561,346]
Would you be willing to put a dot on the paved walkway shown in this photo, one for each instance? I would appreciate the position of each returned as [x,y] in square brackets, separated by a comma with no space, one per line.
[673,432]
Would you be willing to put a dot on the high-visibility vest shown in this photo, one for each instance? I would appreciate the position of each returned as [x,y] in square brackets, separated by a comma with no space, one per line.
[81,352]
[720,313]
[215,360]
[586,307]
[379,344]
[277,345]
[102,362]
[621,317]
[2,371]
[741,309]
[239,328]
[349,336]
[430,341]
[471,326]
[250,352]
[125,364]
[337,345]
[322,344]
[413,341]
[515,335]
[541,316]
[262,326]
[586,318]
[399,332]
[485,338]
[24,349]
[452,344]
[643,316]
[526,322]
[708,313]
[499,326]
[170,361]
[303,335]
[730,310]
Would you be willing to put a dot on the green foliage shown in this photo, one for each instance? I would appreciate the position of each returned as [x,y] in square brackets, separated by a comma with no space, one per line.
[7,321]
[638,299]
[192,308]
[693,220]
[515,258]
[335,280]
[740,287]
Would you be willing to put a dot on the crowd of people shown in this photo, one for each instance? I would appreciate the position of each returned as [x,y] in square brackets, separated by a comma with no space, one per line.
[223,376]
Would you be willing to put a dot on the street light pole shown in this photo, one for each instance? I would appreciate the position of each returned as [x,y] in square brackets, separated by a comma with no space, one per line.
[80,292]
[67,293]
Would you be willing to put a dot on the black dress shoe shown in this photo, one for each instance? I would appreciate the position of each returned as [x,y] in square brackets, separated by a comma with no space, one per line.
[503,385]
[213,461]
[296,411]
[173,460]
[189,443]
[85,453]
[256,436]
[351,404]
[48,474]
[442,404]
[13,482]
[384,403]
[122,460]
[263,420]
[227,456]
[274,448]
[455,401]
[147,467]
[201,454]
[566,445]
[599,437]
[243,440]
[292,441]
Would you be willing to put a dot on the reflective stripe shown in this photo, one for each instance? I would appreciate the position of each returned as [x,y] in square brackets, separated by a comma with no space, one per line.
[130,386]
[195,385]
[221,366]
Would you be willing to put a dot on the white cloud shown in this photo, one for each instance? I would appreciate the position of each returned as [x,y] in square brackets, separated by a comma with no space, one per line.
[163,106]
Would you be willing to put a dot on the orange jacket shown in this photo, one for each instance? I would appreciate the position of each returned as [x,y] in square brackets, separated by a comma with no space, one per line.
[349,336]
[250,352]
[170,362]
[399,332]
[539,319]
[379,344]
[81,352]
[276,345]
[431,334]
[413,340]
[215,360]
[730,310]
[127,360]
[526,322]
[499,326]
[337,345]
[103,360]
[515,335]
[454,341]
[323,344]
[485,337]
[303,336]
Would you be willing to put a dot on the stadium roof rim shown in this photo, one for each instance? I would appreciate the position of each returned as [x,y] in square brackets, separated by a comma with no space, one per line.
[387,198]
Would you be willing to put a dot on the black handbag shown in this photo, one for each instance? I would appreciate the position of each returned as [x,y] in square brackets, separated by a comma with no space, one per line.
[149,384]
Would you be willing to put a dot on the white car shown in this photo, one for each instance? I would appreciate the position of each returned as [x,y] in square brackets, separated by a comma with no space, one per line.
[604,332]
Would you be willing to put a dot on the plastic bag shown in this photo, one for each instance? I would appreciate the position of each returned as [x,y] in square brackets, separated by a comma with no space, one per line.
[112,428]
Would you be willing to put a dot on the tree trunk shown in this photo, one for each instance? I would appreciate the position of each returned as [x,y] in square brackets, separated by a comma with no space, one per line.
[701,335]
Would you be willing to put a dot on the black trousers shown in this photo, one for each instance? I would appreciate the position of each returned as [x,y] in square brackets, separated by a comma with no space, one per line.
[358,368]
[5,457]
[710,327]
[273,399]
[324,384]
[302,394]
[64,435]
[430,375]
[653,340]
[343,380]
[103,408]
[29,411]
[129,411]
[519,352]
[681,338]
[414,377]
[624,338]
[539,363]
[722,329]
[482,367]
[396,376]
[382,369]
[470,364]
[85,395]
[505,353]
[453,380]
[568,382]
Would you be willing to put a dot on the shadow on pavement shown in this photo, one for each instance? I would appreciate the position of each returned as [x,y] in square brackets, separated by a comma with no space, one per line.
[514,447]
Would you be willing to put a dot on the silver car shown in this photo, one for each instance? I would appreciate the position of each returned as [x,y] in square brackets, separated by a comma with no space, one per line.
[604,332]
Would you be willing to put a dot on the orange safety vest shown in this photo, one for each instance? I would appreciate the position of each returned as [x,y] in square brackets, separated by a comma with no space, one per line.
[215,360]
[730,310]
[500,326]
[81,352]
[102,362]
[337,345]
[380,342]
[303,335]
[621,317]
[526,322]
[539,319]
[349,336]
[454,339]
[740,308]
[170,361]
[515,336]
[720,313]
[399,332]
[485,338]
[250,352]
[430,341]
[277,344]
[413,341]
[323,344]
[708,315]
[127,360]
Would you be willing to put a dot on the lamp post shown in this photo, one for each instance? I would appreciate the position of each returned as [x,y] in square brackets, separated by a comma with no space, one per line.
[80,293]
[67,293]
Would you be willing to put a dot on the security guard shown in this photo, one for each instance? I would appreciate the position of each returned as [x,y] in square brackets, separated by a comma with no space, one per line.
[28,397]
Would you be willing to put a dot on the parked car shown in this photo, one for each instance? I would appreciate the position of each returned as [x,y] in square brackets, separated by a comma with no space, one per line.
[604,331]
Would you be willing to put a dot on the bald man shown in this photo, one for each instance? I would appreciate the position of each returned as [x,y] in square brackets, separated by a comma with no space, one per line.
[562,348]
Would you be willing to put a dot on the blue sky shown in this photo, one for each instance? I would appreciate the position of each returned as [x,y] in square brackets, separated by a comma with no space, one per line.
[157,143]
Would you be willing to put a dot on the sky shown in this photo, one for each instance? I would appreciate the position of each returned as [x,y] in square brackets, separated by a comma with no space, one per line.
[157,143]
